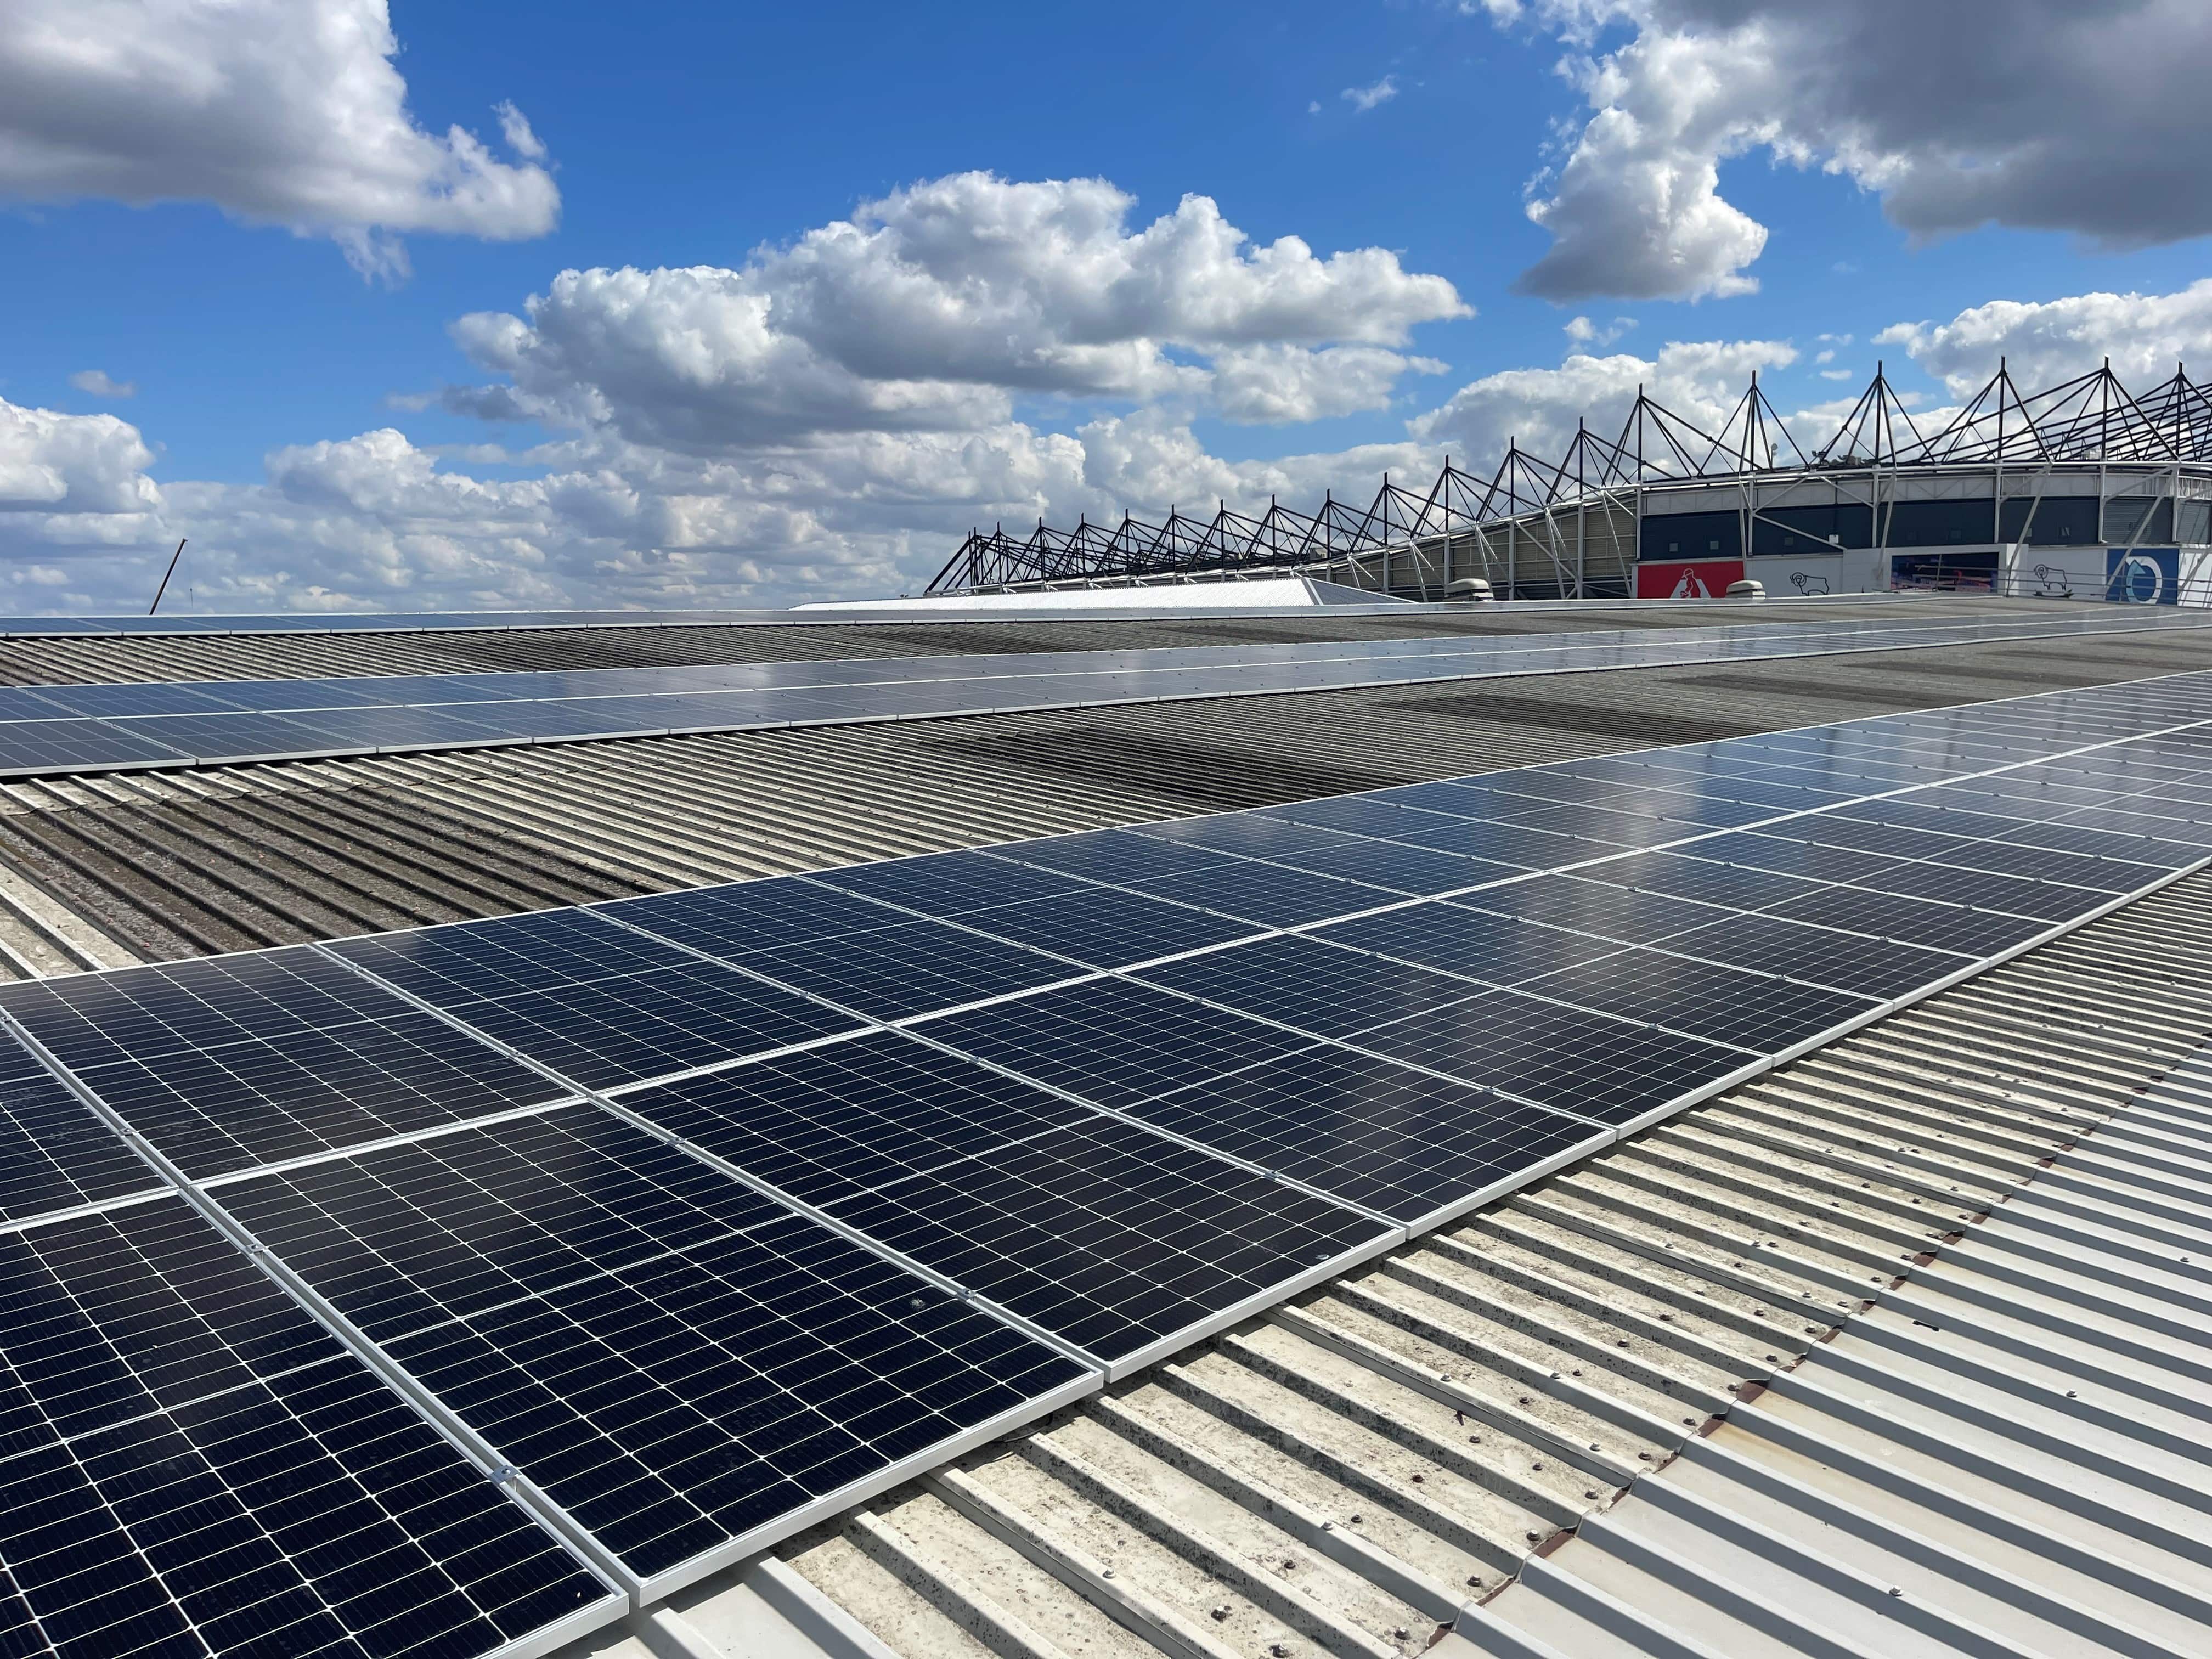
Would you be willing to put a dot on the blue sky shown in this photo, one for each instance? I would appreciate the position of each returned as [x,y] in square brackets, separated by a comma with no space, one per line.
[217,284]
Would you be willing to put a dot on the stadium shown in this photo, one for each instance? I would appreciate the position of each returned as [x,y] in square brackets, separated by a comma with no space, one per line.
[2081,491]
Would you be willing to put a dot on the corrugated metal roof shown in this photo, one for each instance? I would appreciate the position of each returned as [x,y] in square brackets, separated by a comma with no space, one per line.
[1788,1374]
[102,871]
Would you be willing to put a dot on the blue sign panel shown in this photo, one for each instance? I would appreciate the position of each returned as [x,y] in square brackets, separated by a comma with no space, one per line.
[2143,575]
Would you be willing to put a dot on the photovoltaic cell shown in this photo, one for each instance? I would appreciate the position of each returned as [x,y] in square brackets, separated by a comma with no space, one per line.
[1117,855]
[1596,907]
[598,1003]
[54,1153]
[1914,921]
[728,1368]
[1370,1131]
[190,1465]
[951,884]
[739,918]
[1459,939]
[1110,1238]
[1721,1004]
[1592,1065]
[1111,1041]
[1105,928]
[890,973]
[230,1061]
[1847,961]
[1315,986]
[1268,894]
[1402,867]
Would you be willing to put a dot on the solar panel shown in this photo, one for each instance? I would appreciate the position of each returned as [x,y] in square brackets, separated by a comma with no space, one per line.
[55,1153]
[189,1464]
[1914,921]
[674,1362]
[739,918]
[1594,1066]
[889,973]
[1273,895]
[1405,1143]
[1112,1238]
[1313,984]
[1106,927]
[1502,949]
[1112,1040]
[1759,1014]
[63,745]
[226,1062]
[598,1003]
[1881,968]
[954,884]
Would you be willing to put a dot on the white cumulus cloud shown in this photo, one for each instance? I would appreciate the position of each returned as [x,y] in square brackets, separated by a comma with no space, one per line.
[1371,96]
[287,113]
[100,384]
[2039,114]
[2145,335]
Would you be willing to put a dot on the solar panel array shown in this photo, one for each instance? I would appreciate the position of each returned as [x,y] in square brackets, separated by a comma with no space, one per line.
[443,1292]
[89,728]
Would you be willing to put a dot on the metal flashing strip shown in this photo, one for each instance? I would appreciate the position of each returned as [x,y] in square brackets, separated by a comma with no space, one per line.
[470,711]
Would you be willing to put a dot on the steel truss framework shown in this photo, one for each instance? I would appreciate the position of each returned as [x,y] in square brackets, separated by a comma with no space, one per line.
[1570,527]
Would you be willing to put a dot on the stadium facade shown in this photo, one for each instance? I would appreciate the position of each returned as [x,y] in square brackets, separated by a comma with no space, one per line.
[2083,490]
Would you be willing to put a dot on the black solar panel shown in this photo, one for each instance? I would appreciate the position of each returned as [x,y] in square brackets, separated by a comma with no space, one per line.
[1404,868]
[1503,950]
[1847,961]
[1914,921]
[1753,1012]
[63,745]
[726,1365]
[1112,1238]
[1315,986]
[1117,855]
[1594,1066]
[1374,1132]
[1590,905]
[189,1464]
[1112,1040]
[227,1062]
[951,884]
[55,1153]
[1269,893]
[598,1003]
[892,972]
[1106,927]
[736,918]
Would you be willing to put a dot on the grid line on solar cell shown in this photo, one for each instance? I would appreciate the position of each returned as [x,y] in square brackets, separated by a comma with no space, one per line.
[1106,927]
[1747,1009]
[190,1464]
[228,1062]
[590,999]
[1109,1236]
[1315,986]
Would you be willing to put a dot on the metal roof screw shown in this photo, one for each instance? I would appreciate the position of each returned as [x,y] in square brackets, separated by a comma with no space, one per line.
[1110,1572]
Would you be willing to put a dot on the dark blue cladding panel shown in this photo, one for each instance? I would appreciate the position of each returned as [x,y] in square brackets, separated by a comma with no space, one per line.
[1110,1237]
[190,1465]
[672,1360]
[1371,1131]
[600,1004]
[230,1061]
